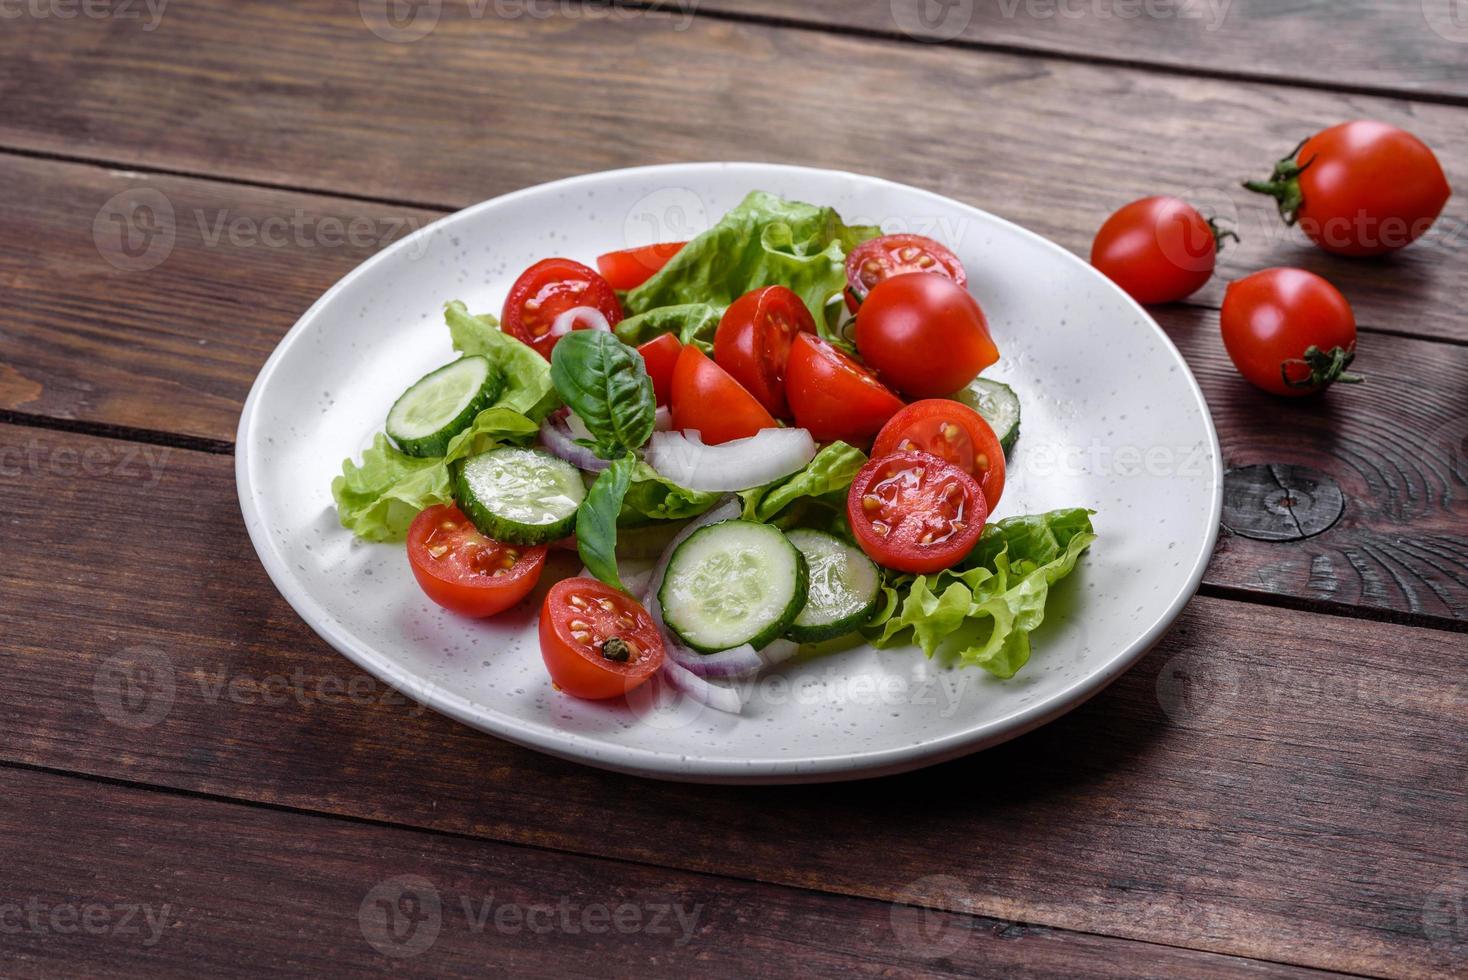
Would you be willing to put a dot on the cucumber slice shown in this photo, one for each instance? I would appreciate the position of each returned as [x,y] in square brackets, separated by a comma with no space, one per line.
[844,587]
[999,406]
[519,496]
[733,583]
[441,405]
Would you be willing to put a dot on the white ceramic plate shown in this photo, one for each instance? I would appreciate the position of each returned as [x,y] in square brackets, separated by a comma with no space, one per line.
[1113,420]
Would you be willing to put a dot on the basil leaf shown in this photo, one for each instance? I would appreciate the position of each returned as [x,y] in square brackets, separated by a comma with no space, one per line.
[605,383]
[596,519]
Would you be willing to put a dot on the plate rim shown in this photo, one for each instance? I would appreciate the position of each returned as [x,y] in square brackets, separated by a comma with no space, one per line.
[684,767]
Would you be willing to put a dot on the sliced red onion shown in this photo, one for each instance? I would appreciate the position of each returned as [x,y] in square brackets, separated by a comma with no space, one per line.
[778,652]
[762,458]
[735,664]
[720,697]
[558,441]
[662,419]
[589,316]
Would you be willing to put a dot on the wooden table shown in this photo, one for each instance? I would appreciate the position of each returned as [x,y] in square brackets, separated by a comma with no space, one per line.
[195,784]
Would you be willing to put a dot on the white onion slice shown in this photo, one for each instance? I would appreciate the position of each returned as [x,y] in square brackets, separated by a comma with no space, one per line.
[762,458]
[720,697]
[590,316]
[558,441]
[662,419]
[778,652]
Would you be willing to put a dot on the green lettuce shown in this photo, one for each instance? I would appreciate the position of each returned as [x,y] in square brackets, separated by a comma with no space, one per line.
[693,323]
[825,479]
[528,386]
[379,497]
[651,497]
[984,610]
[765,241]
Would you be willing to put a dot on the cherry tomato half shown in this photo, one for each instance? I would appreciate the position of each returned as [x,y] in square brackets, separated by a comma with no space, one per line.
[597,642]
[705,397]
[753,342]
[660,355]
[1289,331]
[834,396]
[915,512]
[954,433]
[892,255]
[545,291]
[1360,188]
[465,572]
[1158,249]
[925,335]
[632,267]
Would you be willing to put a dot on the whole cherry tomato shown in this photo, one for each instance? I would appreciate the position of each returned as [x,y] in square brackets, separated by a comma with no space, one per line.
[1289,331]
[1158,249]
[1360,188]
[924,334]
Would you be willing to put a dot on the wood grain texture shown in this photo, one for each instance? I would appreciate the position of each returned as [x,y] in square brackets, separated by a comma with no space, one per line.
[485,104]
[141,883]
[1398,46]
[1282,786]
[176,347]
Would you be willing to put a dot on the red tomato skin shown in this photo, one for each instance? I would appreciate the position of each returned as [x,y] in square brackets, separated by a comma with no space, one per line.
[1158,250]
[1373,188]
[753,342]
[1271,317]
[631,267]
[925,335]
[707,399]
[660,356]
[892,255]
[833,396]
[579,670]
[476,596]
[917,423]
[899,548]
[554,285]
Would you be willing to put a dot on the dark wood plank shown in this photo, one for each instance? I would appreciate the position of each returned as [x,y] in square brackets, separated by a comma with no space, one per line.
[485,105]
[144,883]
[1397,46]
[1271,784]
[176,347]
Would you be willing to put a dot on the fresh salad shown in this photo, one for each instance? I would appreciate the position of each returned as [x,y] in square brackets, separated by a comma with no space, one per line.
[773,435]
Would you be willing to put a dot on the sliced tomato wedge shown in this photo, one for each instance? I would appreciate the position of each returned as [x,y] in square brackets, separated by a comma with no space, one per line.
[753,342]
[597,642]
[660,355]
[632,267]
[915,512]
[950,431]
[832,395]
[465,572]
[548,289]
[706,398]
[892,255]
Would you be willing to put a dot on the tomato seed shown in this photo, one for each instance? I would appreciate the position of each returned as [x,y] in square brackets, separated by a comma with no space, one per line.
[925,262]
[578,602]
[909,254]
[607,604]
[951,432]
[881,529]
[981,460]
[438,550]
[871,502]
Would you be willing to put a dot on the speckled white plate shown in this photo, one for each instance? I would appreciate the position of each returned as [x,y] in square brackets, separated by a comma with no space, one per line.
[1113,420]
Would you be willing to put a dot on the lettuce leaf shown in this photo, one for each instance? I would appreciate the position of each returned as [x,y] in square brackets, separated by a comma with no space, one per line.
[765,241]
[825,478]
[528,386]
[651,497]
[984,610]
[694,323]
